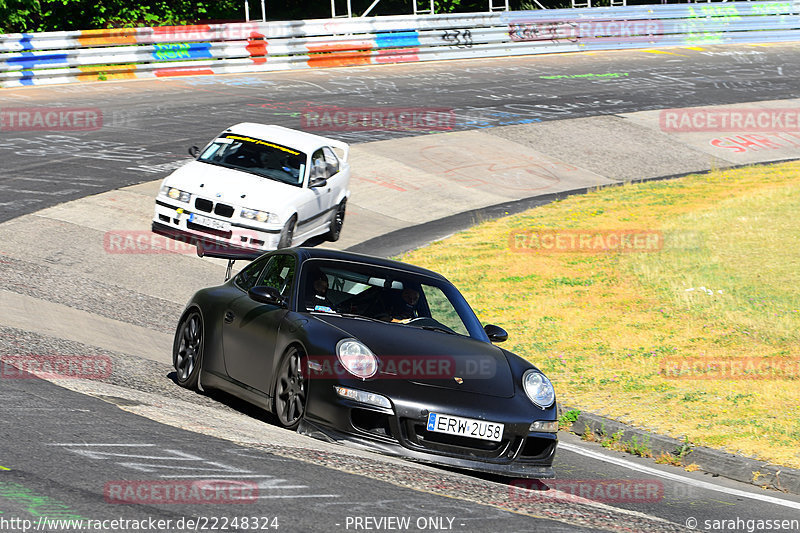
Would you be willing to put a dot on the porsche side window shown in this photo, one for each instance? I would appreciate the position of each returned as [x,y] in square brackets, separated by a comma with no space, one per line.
[442,309]
[331,161]
[246,279]
[279,273]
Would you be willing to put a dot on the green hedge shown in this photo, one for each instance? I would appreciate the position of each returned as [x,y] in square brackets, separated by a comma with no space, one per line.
[55,15]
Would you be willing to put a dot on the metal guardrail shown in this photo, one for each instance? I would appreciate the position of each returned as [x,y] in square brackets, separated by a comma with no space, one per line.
[90,55]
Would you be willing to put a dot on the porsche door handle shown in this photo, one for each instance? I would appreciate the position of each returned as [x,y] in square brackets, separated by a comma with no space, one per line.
[229,316]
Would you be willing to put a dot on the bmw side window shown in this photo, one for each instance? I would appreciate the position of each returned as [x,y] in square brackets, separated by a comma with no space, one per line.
[331,161]
[318,166]
[279,274]
[246,279]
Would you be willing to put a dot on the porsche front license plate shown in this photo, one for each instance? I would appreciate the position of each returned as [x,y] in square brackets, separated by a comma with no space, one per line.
[465,427]
[210,222]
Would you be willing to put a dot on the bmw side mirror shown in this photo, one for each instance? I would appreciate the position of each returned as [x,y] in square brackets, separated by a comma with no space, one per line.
[194,151]
[495,333]
[318,182]
[266,295]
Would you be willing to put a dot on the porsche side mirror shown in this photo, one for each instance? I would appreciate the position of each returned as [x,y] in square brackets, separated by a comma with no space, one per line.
[194,151]
[318,182]
[495,333]
[266,295]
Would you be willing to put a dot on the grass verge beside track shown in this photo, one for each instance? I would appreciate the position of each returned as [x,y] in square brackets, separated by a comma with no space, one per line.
[697,336]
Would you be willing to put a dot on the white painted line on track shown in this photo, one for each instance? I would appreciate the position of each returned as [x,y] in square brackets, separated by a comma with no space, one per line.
[292,496]
[676,477]
[95,444]
[215,476]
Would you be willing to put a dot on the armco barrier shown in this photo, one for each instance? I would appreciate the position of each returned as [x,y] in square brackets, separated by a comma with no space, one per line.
[90,55]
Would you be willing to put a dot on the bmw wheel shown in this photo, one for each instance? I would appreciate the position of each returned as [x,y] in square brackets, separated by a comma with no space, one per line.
[287,233]
[337,222]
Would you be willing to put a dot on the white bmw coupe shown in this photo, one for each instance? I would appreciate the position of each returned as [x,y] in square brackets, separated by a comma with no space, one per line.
[257,187]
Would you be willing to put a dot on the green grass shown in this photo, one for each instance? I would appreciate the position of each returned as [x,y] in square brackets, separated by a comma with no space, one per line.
[725,284]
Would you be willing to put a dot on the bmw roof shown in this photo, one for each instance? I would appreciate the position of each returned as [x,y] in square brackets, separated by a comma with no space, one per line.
[305,142]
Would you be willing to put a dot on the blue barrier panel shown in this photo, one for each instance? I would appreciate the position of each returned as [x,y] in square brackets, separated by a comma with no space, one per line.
[397,40]
[178,51]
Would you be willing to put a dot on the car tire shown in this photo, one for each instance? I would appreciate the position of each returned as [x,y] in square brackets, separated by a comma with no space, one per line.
[291,384]
[337,221]
[287,233]
[187,350]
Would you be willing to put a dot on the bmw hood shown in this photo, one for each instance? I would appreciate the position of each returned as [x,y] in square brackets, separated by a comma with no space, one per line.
[432,358]
[232,186]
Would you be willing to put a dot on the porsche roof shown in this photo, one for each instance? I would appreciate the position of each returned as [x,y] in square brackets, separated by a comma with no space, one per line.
[305,142]
[305,254]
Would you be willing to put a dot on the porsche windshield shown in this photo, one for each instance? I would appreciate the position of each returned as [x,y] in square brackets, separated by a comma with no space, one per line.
[385,294]
[266,159]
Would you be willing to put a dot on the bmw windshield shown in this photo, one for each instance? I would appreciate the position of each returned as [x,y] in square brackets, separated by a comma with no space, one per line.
[265,159]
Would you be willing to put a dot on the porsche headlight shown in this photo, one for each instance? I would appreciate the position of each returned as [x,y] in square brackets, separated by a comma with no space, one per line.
[175,194]
[538,388]
[260,216]
[357,358]
[544,426]
[369,398]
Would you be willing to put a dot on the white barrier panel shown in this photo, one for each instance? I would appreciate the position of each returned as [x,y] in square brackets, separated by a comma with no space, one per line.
[91,55]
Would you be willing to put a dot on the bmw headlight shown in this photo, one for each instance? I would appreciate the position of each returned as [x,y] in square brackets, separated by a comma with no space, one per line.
[175,194]
[260,216]
[538,388]
[357,358]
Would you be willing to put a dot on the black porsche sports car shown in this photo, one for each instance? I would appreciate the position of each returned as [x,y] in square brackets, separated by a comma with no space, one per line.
[347,347]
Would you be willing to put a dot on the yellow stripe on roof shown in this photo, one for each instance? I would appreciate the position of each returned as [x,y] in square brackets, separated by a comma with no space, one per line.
[264,143]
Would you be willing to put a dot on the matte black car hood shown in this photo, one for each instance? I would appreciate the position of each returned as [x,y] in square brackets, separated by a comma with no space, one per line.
[432,358]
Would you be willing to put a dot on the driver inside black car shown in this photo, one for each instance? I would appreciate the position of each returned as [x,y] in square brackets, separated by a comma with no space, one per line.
[406,307]
[317,299]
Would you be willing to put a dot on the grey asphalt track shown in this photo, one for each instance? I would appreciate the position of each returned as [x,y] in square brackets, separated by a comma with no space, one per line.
[147,126]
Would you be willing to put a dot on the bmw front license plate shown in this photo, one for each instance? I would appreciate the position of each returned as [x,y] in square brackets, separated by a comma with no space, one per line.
[212,223]
[465,427]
